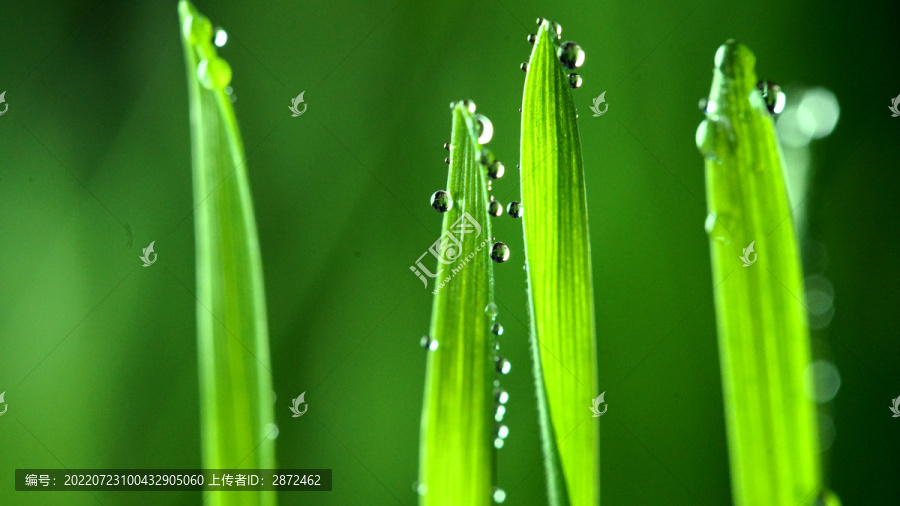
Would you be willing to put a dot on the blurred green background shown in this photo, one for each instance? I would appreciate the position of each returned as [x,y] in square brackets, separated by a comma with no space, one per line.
[98,355]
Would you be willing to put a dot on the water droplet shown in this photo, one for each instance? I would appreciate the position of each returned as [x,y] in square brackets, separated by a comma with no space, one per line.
[498,494]
[773,96]
[214,73]
[496,344]
[221,38]
[705,141]
[271,431]
[570,55]
[502,431]
[501,411]
[441,201]
[447,146]
[524,67]
[428,343]
[702,104]
[496,169]
[421,488]
[447,160]
[498,443]
[500,396]
[540,21]
[197,29]
[574,80]
[486,157]
[497,329]
[491,310]
[469,105]
[500,252]
[531,38]
[503,365]
[484,128]
[827,498]
[715,228]
[495,208]
[556,28]
[514,209]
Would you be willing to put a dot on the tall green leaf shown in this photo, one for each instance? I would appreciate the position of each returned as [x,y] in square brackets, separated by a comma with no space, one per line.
[559,277]
[456,451]
[235,380]
[761,318]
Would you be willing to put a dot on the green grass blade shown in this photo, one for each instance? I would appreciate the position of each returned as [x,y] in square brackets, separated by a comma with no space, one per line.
[456,449]
[761,318]
[559,278]
[235,379]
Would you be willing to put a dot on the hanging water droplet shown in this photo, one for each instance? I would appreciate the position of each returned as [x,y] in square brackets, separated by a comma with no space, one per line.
[502,431]
[428,343]
[495,208]
[501,411]
[524,67]
[702,104]
[773,96]
[503,365]
[271,431]
[420,488]
[514,209]
[447,146]
[486,158]
[496,344]
[484,128]
[495,170]
[447,160]
[706,140]
[574,80]
[500,395]
[491,310]
[531,38]
[498,494]
[540,21]
[469,105]
[497,329]
[221,38]
[441,201]
[214,73]
[570,55]
[498,443]
[556,28]
[197,29]
[500,252]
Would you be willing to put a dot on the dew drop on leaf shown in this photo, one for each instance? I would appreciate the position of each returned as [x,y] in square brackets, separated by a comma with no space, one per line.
[497,493]
[428,343]
[531,38]
[469,105]
[555,28]
[484,128]
[502,431]
[441,201]
[772,96]
[503,365]
[514,209]
[214,73]
[523,67]
[497,329]
[500,396]
[575,80]
[570,55]
[198,29]
[501,411]
[491,310]
[221,38]
[495,208]
[447,146]
[500,252]
[447,160]
[495,170]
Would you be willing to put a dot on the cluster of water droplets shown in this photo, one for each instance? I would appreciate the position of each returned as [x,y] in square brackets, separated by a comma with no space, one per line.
[569,53]
[213,72]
